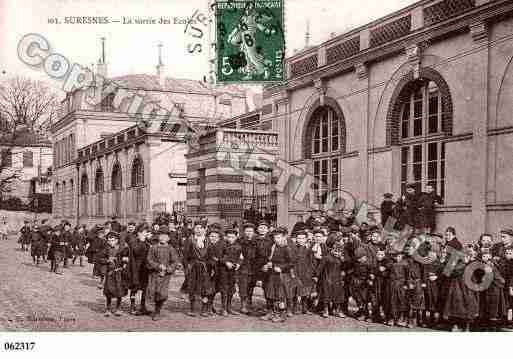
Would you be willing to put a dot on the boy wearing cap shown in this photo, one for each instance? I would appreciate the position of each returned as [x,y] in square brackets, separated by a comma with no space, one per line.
[264,244]
[115,257]
[25,236]
[67,238]
[38,245]
[162,261]
[215,253]
[408,208]
[138,269]
[198,284]
[57,249]
[229,265]
[279,265]
[427,204]
[246,275]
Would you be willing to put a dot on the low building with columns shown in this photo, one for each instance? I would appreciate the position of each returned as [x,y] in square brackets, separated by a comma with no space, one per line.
[105,164]
[422,95]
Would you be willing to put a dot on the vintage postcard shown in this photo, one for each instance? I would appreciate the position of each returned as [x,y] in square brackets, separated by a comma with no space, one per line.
[255,166]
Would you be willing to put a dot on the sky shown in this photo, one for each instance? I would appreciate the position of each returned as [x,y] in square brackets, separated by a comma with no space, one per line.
[132,48]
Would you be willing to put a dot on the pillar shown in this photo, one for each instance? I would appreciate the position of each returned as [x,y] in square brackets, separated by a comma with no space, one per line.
[479,101]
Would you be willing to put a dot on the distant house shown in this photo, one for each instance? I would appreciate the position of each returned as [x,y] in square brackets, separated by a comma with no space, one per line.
[31,157]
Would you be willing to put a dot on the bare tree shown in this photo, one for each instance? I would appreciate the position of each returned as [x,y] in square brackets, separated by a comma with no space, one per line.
[25,103]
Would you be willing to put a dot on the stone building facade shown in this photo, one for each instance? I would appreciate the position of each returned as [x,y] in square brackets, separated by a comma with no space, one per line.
[227,174]
[422,95]
[94,137]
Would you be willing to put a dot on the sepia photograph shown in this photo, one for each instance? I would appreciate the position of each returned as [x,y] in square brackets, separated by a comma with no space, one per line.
[255,166]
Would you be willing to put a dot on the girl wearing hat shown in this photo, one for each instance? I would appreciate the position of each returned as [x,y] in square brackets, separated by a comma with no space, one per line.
[115,258]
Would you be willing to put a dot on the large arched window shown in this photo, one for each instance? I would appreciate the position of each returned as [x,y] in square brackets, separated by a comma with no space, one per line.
[116,178]
[137,173]
[84,191]
[98,189]
[327,144]
[137,181]
[420,136]
[116,186]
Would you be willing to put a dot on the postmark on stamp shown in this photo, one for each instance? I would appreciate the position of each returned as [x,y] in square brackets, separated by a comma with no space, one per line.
[250,40]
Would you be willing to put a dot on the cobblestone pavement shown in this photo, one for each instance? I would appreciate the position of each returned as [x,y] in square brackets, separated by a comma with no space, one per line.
[34,299]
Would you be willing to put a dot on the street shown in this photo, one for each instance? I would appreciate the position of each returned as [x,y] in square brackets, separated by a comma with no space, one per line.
[34,299]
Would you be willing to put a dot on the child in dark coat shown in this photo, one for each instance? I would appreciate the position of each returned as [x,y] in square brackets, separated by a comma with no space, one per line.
[430,273]
[361,281]
[264,243]
[215,253]
[162,262]
[330,276]
[198,283]
[415,290]
[229,265]
[115,257]
[492,300]
[304,271]
[507,270]
[138,268]
[279,267]
[246,275]
[461,303]
[380,287]
[397,285]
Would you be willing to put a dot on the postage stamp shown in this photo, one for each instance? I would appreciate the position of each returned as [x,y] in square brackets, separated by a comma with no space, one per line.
[250,40]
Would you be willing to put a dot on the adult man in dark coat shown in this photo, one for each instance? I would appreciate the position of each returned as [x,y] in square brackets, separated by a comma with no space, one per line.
[427,204]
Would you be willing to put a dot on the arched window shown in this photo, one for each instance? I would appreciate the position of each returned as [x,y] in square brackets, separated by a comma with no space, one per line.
[84,191]
[116,178]
[327,144]
[137,173]
[138,181]
[420,137]
[98,189]
[116,185]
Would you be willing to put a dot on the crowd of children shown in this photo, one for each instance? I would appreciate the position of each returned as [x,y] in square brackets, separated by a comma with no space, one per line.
[323,267]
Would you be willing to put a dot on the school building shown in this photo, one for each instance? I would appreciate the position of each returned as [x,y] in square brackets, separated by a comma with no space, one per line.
[423,95]
[115,158]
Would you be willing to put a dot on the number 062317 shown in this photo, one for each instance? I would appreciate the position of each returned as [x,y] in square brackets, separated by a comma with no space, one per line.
[19,346]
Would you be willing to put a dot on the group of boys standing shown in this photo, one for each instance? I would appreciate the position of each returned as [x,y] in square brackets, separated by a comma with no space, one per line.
[322,266]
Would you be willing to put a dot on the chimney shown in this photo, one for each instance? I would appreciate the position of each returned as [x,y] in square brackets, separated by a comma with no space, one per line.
[307,34]
[160,66]
[101,67]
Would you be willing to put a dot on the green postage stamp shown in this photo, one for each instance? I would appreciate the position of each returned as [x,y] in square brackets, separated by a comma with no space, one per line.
[250,40]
